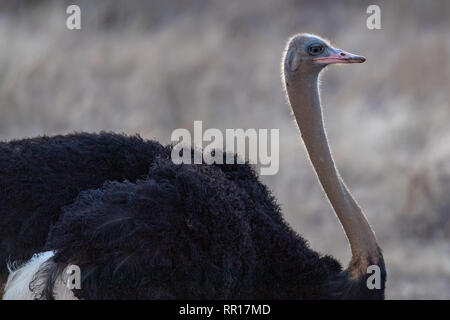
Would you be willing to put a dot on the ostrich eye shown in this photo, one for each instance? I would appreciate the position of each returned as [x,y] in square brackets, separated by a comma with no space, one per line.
[315,49]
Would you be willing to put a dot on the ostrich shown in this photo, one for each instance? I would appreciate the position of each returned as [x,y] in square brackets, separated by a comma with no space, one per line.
[210,231]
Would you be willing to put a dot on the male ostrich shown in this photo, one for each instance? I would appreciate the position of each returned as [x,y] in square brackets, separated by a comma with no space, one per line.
[209,231]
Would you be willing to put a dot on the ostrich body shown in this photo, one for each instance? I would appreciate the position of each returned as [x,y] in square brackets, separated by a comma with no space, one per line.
[210,231]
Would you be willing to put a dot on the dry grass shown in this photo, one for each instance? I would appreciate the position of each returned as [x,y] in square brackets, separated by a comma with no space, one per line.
[153,66]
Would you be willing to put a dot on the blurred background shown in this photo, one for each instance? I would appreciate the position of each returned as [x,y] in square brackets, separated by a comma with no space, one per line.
[150,67]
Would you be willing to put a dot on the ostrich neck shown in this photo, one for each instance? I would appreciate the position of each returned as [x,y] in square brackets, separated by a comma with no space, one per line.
[305,101]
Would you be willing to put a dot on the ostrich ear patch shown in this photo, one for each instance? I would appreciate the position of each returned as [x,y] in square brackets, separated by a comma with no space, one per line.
[292,61]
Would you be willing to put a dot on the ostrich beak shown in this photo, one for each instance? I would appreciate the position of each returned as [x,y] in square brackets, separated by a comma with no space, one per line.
[340,56]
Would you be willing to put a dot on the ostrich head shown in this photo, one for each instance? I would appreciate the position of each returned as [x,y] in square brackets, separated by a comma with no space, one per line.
[309,54]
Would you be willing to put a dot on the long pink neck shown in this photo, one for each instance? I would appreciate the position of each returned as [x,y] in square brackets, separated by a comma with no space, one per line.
[304,98]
